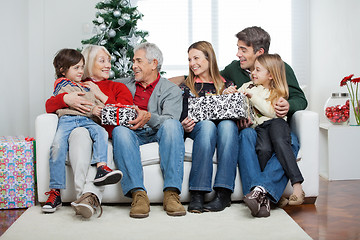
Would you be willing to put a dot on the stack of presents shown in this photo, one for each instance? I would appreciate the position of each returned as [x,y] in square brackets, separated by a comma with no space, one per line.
[17,177]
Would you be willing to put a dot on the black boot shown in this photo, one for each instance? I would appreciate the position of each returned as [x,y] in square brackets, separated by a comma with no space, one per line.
[196,204]
[220,202]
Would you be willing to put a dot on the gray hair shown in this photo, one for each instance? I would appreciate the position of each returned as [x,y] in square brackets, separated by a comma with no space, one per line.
[152,52]
[89,53]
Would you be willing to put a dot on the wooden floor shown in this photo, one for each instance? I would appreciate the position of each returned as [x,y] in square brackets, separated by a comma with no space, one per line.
[334,216]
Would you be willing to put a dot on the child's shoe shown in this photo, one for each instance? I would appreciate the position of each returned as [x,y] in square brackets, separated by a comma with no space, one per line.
[106,176]
[53,202]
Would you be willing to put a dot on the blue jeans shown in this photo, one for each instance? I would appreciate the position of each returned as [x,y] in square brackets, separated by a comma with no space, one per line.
[273,178]
[60,146]
[207,135]
[127,157]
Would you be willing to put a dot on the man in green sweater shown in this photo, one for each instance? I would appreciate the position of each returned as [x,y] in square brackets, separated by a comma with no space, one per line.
[259,187]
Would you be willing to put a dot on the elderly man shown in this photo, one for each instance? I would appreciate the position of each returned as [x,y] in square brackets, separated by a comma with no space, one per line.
[160,103]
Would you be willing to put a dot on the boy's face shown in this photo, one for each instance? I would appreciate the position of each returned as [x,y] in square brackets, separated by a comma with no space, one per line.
[75,73]
[246,55]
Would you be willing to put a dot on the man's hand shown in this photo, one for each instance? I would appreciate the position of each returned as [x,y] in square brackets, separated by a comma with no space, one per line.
[75,101]
[244,123]
[281,107]
[188,124]
[142,118]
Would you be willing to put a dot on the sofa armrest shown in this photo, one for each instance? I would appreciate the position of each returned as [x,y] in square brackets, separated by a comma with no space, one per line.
[45,129]
[305,124]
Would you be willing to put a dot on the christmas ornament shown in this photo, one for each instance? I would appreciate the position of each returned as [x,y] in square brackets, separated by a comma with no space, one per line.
[100,20]
[103,27]
[117,13]
[103,42]
[126,16]
[113,58]
[111,74]
[112,33]
[121,22]
[133,40]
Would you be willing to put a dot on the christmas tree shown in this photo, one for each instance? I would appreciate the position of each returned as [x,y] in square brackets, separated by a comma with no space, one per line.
[115,25]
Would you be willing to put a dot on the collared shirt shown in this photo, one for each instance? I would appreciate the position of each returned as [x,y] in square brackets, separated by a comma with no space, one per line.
[142,94]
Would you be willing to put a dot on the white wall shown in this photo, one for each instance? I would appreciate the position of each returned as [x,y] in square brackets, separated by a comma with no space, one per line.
[14,84]
[33,30]
[334,47]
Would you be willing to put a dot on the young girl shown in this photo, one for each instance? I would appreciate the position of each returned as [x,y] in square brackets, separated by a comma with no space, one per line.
[69,67]
[204,79]
[267,86]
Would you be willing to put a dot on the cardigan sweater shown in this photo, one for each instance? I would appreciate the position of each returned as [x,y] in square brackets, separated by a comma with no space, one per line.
[165,101]
[263,109]
[239,76]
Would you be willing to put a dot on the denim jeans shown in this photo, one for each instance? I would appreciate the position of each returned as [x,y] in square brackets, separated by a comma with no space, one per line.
[275,136]
[207,135]
[60,146]
[273,178]
[126,143]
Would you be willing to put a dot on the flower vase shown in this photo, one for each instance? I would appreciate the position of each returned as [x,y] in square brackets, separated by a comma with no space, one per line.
[352,118]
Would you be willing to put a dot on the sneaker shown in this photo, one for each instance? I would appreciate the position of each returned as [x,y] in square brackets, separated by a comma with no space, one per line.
[106,176]
[53,202]
[264,208]
[172,204]
[253,200]
[86,205]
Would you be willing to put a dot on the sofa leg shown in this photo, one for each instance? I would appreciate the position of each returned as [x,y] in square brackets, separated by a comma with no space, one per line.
[310,200]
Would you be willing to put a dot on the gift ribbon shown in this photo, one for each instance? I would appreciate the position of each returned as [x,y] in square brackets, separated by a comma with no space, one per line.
[119,105]
[28,139]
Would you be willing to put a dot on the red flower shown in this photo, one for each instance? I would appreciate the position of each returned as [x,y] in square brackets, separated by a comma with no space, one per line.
[345,79]
[355,80]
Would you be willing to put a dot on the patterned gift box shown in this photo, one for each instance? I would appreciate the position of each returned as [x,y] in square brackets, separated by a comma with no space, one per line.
[118,114]
[218,107]
[16,172]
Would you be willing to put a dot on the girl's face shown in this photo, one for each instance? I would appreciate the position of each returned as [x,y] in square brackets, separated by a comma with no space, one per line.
[102,66]
[261,75]
[75,73]
[198,62]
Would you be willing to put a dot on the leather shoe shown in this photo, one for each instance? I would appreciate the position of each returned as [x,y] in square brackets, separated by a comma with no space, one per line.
[172,204]
[220,202]
[196,204]
[295,200]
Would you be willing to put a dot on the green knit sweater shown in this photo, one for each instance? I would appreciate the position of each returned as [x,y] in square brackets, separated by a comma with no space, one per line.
[239,76]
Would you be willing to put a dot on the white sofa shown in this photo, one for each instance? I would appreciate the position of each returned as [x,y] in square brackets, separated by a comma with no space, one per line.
[304,123]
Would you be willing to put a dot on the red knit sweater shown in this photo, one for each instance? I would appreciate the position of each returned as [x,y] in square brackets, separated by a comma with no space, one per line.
[116,92]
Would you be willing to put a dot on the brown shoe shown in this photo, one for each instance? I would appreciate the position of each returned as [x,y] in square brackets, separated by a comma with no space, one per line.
[140,206]
[86,205]
[282,202]
[295,200]
[172,204]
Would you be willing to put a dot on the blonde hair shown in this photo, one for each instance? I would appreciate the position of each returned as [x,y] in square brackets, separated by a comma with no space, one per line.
[276,67]
[90,53]
[214,72]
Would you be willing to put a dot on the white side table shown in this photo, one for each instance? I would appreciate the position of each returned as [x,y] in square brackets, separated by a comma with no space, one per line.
[339,152]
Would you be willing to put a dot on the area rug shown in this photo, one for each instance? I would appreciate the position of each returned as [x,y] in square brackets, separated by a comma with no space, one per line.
[234,222]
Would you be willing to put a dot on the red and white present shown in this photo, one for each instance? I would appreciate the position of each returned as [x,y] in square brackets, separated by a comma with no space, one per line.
[118,114]
[16,172]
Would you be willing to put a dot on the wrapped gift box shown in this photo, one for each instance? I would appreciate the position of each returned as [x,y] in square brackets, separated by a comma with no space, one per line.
[16,172]
[218,107]
[117,114]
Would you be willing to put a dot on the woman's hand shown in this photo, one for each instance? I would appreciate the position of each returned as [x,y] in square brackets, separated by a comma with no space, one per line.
[142,118]
[77,102]
[188,124]
[97,111]
[231,89]
[96,90]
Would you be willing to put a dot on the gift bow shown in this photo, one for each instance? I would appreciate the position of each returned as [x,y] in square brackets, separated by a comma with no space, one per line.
[29,139]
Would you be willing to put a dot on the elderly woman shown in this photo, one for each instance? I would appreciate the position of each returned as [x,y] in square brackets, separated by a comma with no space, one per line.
[96,74]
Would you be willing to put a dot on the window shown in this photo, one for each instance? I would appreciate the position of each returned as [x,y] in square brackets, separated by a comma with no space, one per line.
[174,25]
